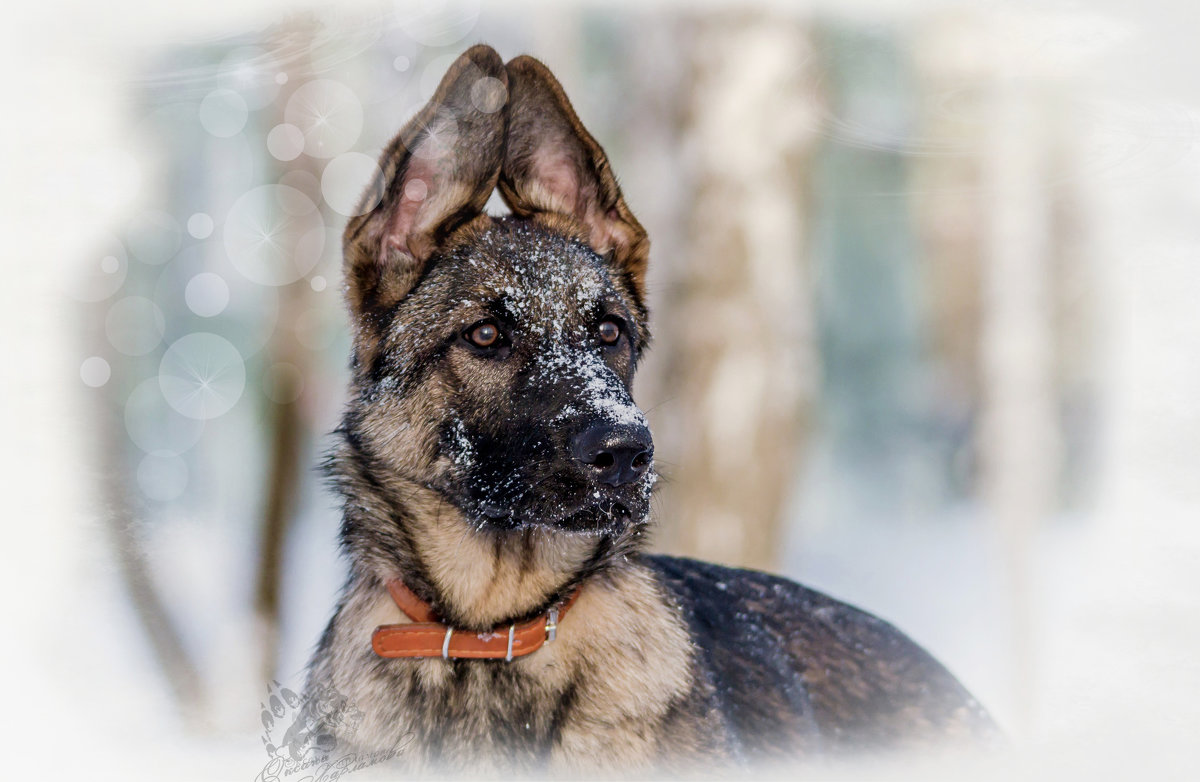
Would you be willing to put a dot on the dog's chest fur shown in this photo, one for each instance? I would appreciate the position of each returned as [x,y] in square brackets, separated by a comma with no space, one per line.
[615,689]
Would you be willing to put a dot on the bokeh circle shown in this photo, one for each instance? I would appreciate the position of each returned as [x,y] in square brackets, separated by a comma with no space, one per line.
[329,115]
[223,113]
[94,371]
[202,376]
[285,142]
[344,182]
[207,294]
[274,235]
[200,225]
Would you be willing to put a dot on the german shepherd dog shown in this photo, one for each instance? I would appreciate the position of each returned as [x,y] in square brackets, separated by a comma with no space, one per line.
[500,612]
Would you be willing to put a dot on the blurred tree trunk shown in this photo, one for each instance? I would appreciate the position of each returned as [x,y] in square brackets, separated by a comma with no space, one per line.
[288,362]
[166,644]
[734,317]
[1020,443]
[952,66]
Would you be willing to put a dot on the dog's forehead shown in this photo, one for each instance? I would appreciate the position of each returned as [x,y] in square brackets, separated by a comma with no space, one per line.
[540,278]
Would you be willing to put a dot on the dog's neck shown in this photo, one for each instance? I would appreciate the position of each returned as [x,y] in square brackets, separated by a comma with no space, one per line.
[474,579]
[483,579]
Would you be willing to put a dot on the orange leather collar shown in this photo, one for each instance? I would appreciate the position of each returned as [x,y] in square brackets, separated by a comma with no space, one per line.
[427,637]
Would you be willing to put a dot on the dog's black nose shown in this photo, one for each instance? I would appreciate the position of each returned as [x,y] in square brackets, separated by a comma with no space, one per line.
[613,454]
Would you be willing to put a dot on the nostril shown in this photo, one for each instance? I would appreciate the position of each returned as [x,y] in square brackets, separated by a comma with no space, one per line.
[611,454]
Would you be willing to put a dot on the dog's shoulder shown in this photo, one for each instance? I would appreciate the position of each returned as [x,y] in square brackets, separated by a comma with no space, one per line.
[790,663]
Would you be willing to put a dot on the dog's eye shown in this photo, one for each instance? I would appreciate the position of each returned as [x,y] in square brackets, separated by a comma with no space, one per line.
[483,335]
[609,331]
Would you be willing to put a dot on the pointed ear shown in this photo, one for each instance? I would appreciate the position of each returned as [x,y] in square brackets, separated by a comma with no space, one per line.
[553,165]
[435,175]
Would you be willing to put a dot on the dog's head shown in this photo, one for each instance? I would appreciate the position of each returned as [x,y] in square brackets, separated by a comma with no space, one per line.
[493,356]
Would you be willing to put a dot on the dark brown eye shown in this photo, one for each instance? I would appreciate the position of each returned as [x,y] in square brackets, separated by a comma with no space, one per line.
[484,335]
[609,332]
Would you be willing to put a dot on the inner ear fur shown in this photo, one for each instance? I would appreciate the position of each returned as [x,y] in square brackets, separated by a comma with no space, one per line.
[552,165]
[435,176]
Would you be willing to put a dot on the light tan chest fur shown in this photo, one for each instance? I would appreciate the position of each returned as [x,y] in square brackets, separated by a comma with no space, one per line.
[622,656]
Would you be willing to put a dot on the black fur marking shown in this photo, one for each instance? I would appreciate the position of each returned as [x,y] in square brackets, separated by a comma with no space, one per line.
[559,717]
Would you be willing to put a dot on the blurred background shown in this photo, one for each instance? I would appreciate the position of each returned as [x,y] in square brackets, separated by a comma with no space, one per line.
[924,284]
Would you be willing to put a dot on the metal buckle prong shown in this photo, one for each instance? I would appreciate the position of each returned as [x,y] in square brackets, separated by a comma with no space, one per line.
[552,624]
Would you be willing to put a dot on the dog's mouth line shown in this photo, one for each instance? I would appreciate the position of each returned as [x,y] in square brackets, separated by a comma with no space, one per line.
[613,511]
[524,508]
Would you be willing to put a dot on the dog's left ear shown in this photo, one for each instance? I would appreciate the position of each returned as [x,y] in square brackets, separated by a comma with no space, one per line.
[552,164]
[436,175]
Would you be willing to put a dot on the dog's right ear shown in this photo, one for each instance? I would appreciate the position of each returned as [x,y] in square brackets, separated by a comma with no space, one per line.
[436,175]
[553,165]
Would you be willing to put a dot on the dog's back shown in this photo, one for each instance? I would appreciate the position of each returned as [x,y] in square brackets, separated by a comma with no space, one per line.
[796,671]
